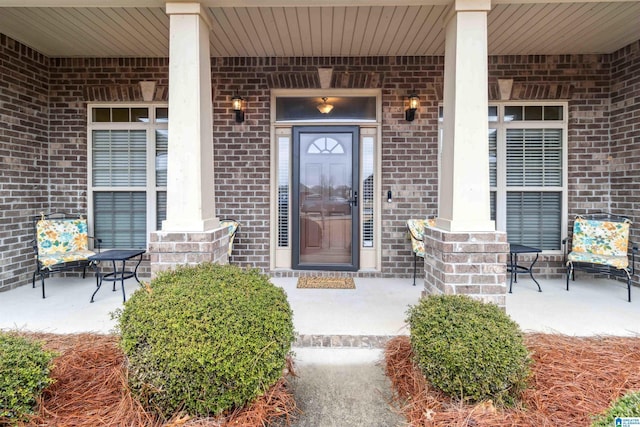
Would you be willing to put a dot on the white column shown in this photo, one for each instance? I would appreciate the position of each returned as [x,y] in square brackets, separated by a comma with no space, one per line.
[190,194]
[464,186]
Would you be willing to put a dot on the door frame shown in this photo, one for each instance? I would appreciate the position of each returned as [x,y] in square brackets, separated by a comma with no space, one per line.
[295,202]
[280,232]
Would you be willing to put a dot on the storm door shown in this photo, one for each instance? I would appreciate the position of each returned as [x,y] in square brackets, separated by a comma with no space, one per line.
[325,198]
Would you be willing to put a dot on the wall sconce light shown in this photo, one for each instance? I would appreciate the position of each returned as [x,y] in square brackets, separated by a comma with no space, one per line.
[389,197]
[413,102]
[324,107]
[236,105]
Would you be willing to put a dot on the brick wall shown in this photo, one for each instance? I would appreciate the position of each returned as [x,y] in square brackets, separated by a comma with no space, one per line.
[242,155]
[625,137]
[583,80]
[36,146]
[74,83]
[409,150]
[24,86]
[409,156]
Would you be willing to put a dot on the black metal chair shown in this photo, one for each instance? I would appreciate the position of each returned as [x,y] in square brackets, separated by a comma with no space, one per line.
[600,244]
[60,242]
[415,230]
[233,226]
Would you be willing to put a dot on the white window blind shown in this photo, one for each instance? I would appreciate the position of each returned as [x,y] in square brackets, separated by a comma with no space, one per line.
[119,158]
[161,208]
[534,162]
[283,191]
[534,218]
[127,183]
[121,219]
[534,157]
[368,168]
[162,145]
[493,157]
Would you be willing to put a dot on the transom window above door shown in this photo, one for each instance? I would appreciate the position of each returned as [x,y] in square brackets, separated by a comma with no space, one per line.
[344,108]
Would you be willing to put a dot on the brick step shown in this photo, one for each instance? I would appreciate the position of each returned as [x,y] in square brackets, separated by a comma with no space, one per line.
[342,341]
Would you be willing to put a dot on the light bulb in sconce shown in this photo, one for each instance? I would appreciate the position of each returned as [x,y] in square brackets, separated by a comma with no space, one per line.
[389,197]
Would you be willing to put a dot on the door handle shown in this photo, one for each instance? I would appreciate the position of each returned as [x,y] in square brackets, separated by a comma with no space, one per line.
[354,200]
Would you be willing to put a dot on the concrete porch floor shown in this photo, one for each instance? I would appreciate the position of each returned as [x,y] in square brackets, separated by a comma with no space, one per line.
[377,307]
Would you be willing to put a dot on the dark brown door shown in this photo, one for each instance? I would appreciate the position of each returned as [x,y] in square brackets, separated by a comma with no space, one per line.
[325,197]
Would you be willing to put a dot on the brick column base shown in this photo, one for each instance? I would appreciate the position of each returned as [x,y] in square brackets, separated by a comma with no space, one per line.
[170,249]
[473,264]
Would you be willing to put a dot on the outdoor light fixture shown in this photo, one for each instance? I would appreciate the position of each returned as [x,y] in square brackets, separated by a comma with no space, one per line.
[413,102]
[325,108]
[236,105]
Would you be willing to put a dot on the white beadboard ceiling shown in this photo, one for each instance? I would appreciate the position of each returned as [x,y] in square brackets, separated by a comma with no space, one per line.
[387,28]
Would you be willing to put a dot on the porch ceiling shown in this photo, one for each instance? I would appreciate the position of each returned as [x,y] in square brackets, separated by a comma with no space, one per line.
[246,28]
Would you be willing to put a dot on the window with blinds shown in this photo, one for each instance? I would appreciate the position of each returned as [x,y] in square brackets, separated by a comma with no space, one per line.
[368,211]
[284,143]
[120,218]
[534,157]
[527,172]
[119,158]
[128,175]
[534,218]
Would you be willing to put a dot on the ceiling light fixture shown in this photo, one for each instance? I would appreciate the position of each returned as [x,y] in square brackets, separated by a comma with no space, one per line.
[324,107]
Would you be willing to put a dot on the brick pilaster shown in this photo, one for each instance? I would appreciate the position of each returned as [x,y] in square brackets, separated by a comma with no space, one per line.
[171,249]
[473,264]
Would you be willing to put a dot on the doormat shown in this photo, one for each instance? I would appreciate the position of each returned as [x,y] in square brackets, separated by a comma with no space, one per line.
[326,282]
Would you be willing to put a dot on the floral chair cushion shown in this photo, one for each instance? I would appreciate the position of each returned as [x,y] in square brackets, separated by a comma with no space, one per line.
[600,242]
[62,240]
[416,229]
[232,227]
[51,260]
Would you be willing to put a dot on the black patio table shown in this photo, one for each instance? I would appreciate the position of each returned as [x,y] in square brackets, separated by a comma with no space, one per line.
[513,266]
[122,274]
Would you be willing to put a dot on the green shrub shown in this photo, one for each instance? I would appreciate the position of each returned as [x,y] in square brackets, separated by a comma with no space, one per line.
[470,350]
[24,373]
[205,339]
[626,406]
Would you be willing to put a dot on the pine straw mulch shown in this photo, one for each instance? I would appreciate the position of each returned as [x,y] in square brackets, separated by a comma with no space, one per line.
[572,379]
[90,389]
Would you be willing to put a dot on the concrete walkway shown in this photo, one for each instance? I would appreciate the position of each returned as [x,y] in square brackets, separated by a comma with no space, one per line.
[342,332]
[343,387]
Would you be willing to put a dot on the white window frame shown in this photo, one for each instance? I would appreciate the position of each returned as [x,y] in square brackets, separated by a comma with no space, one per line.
[150,188]
[501,189]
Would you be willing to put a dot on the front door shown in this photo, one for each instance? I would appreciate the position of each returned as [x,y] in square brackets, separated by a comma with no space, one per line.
[325,198]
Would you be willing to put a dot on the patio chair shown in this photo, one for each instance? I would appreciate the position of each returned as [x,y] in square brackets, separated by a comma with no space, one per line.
[60,242]
[600,244]
[232,225]
[415,230]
